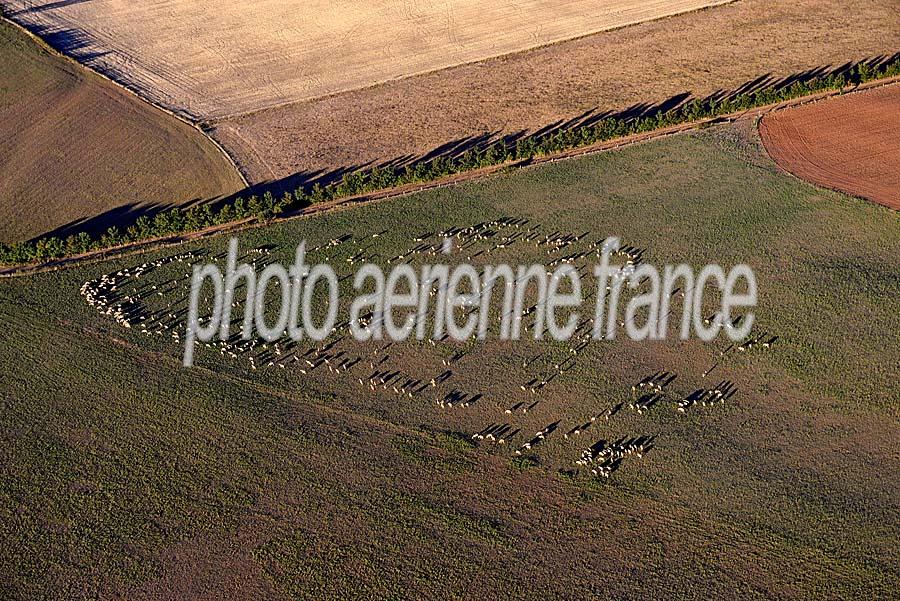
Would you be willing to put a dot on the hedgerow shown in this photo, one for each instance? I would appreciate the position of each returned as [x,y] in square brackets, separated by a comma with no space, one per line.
[266,207]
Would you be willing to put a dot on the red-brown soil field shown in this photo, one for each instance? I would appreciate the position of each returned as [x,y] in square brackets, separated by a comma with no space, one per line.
[850,143]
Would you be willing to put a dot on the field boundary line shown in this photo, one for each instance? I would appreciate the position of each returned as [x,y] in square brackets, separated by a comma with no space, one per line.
[481,61]
[81,66]
[367,198]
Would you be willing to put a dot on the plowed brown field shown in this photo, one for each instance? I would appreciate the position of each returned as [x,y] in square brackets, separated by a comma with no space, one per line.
[850,143]
[75,147]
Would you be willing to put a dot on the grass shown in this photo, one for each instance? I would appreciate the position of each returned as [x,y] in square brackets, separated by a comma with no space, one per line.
[118,465]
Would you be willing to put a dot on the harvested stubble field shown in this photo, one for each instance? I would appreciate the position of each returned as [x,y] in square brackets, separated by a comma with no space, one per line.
[701,52]
[214,59]
[125,474]
[75,147]
[850,144]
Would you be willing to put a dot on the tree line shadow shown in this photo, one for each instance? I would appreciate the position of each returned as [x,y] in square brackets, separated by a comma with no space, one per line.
[67,40]
[31,7]
[126,215]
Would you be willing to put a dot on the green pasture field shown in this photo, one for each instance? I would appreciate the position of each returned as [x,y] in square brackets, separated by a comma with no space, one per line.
[124,474]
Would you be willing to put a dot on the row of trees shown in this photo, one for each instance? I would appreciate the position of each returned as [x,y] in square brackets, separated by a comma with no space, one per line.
[172,221]
[178,220]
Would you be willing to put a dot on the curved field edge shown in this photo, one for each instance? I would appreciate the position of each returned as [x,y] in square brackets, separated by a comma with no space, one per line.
[849,144]
[367,185]
[77,147]
[129,476]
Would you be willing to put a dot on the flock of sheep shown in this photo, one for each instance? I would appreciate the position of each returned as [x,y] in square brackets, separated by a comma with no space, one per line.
[127,296]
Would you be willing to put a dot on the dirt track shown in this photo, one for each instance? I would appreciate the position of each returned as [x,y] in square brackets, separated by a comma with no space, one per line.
[699,52]
[851,144]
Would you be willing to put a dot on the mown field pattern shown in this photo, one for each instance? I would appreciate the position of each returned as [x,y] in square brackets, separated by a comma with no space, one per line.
[126,474]
[727,48]
[74,147]
[213,59]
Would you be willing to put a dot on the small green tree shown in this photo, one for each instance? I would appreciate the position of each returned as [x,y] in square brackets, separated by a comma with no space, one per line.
[78,243]
[317,194]
[225,214]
